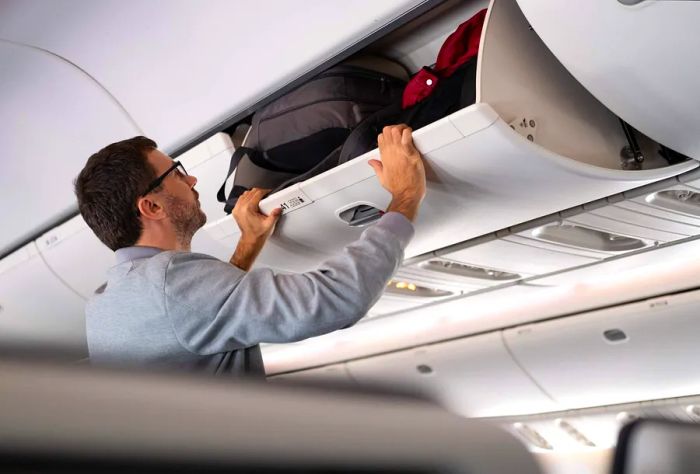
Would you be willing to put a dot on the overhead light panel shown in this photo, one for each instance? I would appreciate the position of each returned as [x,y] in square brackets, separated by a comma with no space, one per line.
[532,436]
[413,290]
[468,271]
[679,200]
[574,433]
[586,238]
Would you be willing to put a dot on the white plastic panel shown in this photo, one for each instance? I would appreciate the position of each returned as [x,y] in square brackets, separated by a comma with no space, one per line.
[193,54]
[648,73]
[528,238]
[38,310]
[482,175]
[521,79]
[77,256]
[444,274]
[474,376]
[517,257]
[481,183]
[575,364]
[662,222]
[671,260]
[417,44]
[680,203]
[641,206]
[329,374]
[606,238]
[54,117]
[209,162]
[389,304]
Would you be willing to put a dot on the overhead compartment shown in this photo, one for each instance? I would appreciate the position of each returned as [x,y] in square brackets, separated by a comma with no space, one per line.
[637,57]
[37,310]
[75,254]
[474,376]
[328,375]
[483,175]
[639,351]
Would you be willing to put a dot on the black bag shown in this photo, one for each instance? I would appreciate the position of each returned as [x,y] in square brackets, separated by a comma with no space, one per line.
[306,128]
[451,94]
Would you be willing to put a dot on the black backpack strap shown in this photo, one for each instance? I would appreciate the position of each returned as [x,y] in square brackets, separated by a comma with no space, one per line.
[364,137]
[235,160]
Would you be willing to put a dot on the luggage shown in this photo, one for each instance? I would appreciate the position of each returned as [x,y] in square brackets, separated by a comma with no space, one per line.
[433,93]
[301,130]
[292,143]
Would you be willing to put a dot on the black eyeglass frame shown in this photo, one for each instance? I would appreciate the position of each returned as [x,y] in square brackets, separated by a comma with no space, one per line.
[159,180]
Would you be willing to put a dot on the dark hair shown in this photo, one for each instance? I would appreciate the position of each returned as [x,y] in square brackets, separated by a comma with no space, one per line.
[108,187]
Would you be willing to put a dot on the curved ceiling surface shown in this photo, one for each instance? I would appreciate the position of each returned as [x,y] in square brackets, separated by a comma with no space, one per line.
[178,68]
[640,60]
[54,116]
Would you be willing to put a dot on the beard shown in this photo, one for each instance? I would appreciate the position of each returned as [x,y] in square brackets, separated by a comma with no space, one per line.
[186,217]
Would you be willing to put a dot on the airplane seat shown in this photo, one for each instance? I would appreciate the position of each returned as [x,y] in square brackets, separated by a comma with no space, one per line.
[648,445]
[57,417]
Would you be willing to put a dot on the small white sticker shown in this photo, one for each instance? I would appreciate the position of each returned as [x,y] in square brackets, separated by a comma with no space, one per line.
[294,203]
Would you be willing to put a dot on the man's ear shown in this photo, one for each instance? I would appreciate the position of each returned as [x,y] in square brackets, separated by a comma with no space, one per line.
[150,208]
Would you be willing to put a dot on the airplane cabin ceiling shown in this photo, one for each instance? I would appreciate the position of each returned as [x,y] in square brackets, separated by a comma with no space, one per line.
[167,69]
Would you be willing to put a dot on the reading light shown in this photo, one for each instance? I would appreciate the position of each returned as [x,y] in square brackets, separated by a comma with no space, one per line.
[404,288]
[574,433]
[532,436]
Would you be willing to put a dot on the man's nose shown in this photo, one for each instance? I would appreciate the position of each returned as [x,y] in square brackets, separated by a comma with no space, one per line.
[192,180]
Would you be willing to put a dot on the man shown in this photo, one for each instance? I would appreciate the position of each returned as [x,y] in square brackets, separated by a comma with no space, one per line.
[164,305]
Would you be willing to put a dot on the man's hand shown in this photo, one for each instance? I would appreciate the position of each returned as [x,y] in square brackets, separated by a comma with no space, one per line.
[255,227]
[401,171]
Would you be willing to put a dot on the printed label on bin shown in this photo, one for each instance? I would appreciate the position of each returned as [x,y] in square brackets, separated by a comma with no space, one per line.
[296,201]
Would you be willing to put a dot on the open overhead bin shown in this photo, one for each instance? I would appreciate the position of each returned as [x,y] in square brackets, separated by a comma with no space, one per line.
[637,57]
[535,142]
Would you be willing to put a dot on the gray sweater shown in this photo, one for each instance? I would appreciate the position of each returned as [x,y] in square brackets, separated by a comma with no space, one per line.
[194,312]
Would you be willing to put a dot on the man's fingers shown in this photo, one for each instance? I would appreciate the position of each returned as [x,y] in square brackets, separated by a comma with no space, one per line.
[406,137]
[377,167]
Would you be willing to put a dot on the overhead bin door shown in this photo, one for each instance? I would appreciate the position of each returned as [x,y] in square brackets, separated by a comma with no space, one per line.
[75,254]
[640,351]
[323,376]
[474,376]
[483,175]
[54,116]
[37,310]
[638,58]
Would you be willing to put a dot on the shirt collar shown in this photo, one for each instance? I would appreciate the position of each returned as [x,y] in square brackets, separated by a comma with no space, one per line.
[128,254]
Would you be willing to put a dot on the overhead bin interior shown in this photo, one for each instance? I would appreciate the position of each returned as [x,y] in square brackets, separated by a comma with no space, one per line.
[650,80]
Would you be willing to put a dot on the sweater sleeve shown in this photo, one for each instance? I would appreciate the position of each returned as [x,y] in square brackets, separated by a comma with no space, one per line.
[216,307]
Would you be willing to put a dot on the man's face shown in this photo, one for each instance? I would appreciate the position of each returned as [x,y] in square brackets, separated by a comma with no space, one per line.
[180,200]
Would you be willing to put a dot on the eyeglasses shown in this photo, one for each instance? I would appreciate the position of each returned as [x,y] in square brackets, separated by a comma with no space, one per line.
[157,182]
